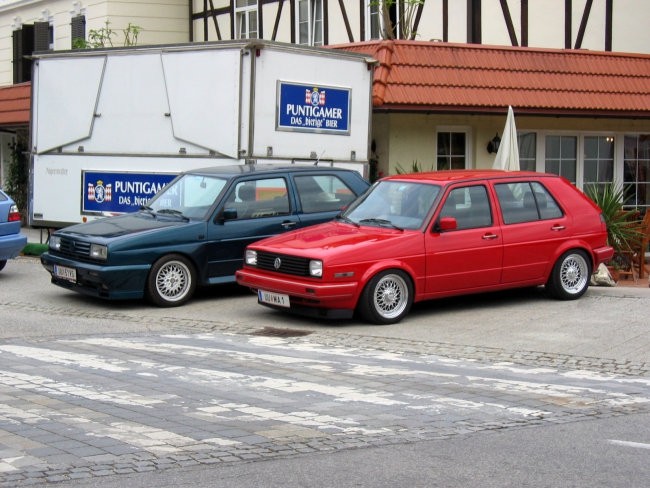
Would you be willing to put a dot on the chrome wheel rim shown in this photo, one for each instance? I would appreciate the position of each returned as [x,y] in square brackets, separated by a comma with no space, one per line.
[391,296]
[573,274]
[173,281]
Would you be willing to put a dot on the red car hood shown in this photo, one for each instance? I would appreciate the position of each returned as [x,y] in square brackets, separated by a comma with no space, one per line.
[336,239]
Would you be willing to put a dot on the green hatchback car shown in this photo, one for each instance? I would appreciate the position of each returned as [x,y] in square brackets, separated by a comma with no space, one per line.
[195,230]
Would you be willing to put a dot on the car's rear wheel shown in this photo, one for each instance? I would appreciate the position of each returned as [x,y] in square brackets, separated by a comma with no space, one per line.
[3,262]
[172,281]
[387,297]
[570,276]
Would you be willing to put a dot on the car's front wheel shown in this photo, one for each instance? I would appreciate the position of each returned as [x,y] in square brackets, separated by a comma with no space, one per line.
[172,281]
[387,297]
[570,276]
[3,262]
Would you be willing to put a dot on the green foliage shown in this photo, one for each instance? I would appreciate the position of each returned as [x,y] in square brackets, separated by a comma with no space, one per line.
[623,226]
[101,38]
[415,168]
[18,175]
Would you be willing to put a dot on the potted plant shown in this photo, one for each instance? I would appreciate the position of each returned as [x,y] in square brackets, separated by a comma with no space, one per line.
[623,226]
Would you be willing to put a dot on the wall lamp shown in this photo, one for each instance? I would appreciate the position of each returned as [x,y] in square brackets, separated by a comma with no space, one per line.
[493,145]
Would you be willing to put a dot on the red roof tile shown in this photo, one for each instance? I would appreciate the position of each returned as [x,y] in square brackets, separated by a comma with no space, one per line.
[436,76]
[15,104]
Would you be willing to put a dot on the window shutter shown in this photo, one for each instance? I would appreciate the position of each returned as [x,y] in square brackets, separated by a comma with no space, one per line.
[41,36]
[78,28]
[23,45]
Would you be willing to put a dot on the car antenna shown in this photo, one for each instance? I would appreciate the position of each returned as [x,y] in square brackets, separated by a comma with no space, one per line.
[318,158]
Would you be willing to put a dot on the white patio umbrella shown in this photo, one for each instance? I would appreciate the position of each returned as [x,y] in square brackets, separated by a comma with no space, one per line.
[508,153]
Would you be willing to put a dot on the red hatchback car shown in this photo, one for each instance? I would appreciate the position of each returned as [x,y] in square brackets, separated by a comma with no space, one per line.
[429,235]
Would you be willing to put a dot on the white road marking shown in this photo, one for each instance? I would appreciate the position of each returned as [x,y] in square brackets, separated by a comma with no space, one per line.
[638,445]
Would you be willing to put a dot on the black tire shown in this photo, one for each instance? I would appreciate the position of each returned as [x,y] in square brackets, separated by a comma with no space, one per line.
[171,281]
[3,263]
[387,297]
[570,276]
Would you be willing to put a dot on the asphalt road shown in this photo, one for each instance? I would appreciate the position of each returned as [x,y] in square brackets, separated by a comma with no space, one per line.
[507,389]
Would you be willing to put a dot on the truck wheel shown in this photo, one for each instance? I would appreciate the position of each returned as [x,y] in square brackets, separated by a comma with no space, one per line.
[570,276]
[387,297]
[172,281]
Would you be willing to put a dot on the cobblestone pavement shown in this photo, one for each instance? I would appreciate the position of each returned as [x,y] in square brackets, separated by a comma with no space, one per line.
[87,406]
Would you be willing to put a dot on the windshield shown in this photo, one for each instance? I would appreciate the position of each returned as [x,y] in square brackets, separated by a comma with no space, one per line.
[399,204]
[190,196]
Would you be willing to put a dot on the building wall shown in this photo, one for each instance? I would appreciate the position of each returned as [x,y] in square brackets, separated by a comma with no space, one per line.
[162,21]
[545,26]
[402,139]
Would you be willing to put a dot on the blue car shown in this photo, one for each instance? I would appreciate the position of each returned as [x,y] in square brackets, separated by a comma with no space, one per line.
[11,240]
[195,230]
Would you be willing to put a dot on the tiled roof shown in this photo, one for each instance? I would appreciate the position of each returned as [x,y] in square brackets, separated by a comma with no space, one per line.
[443,77]
[15,103]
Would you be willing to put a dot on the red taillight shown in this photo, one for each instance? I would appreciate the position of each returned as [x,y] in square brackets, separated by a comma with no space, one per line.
[14,214]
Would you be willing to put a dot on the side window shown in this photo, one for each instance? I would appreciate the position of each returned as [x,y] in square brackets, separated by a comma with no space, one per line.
[526,202]
[254,199]
[323,193]
[470,206]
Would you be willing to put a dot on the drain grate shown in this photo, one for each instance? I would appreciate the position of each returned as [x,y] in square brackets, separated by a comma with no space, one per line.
[275,332]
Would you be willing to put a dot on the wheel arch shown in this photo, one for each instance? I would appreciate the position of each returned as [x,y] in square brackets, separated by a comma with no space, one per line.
[385,266]
[574,244]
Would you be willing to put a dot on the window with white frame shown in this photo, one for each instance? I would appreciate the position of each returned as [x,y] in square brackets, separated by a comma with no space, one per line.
[452,150]
[636,171]
[562,156]
[373,26]
[246,19]
[527,145]
[598,161]
[310,22]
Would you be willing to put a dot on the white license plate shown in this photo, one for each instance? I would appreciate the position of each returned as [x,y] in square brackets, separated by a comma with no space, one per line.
[65,273]
[271,298]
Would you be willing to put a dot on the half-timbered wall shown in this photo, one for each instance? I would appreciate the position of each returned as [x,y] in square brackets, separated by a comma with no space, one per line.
[602,25]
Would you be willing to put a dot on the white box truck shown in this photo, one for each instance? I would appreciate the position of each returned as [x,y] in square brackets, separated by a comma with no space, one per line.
[111,127]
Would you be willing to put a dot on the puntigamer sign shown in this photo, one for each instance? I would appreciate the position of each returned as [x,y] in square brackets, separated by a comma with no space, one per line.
[312,108]
[120,192]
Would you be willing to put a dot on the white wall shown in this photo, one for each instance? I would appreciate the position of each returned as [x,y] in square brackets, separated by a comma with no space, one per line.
[162,21]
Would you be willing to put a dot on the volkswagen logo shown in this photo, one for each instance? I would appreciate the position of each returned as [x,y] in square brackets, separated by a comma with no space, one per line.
[277,263]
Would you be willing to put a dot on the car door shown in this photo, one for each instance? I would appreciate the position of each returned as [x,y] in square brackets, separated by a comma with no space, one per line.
[253,208]
[534,225]
[468,257]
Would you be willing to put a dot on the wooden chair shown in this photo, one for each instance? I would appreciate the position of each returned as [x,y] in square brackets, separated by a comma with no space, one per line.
[642,247]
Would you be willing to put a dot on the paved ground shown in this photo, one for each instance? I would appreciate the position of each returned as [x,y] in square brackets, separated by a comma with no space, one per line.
[78,408]
[92,389]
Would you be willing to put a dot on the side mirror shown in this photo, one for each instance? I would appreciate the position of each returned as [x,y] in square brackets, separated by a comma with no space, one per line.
[228,214]
[447,223]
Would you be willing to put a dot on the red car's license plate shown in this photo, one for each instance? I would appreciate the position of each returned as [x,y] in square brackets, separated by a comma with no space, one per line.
[271,298]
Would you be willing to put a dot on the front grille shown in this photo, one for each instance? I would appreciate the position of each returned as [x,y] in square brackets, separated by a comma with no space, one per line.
[73,249]
[288,264]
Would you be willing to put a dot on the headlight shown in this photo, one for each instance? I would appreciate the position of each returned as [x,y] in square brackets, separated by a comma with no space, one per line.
[97,251]
[55,243]
[316,268]
[251,257]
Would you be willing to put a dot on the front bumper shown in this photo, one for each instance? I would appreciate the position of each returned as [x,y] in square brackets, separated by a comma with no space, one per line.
[307,297]
[110,282]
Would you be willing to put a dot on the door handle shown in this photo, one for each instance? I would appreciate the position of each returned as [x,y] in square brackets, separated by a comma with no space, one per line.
[558,227]
[489,237]
[288,224]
